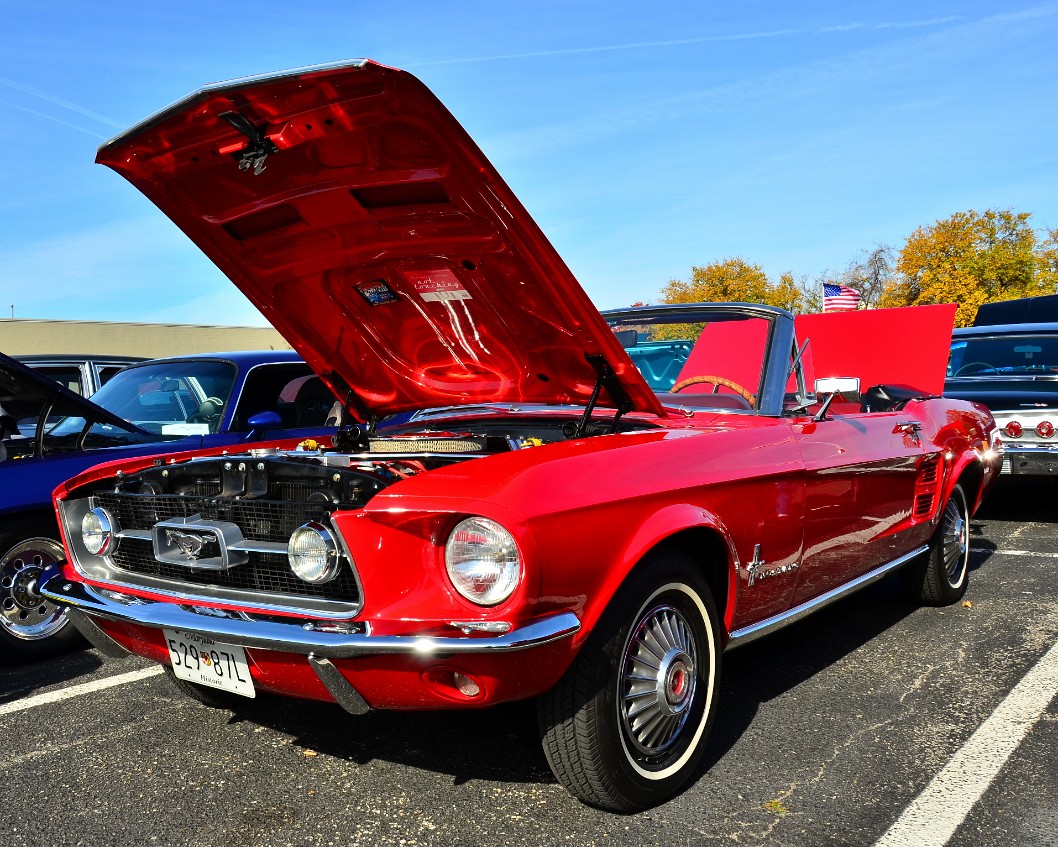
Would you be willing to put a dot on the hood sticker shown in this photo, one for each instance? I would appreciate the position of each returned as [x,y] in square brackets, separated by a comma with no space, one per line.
[437,285]
[377,292]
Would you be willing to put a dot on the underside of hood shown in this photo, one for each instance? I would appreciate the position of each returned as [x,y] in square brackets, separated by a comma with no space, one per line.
[360,218]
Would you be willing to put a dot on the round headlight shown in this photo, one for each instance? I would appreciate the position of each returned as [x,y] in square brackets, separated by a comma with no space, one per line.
[313,554]
[98,532]
[482,561]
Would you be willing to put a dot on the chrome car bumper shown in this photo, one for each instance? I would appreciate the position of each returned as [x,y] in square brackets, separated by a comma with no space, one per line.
[1040,461]
[85,602]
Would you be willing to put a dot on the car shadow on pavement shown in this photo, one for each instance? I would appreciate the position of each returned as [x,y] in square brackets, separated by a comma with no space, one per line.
[1025,498]
[766,669]
[498,744]
[501,744]
[18,681]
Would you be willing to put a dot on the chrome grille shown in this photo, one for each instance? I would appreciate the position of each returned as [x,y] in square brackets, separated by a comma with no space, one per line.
[259,520]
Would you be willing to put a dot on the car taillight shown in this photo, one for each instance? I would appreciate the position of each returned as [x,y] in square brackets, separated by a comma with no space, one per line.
[1045,429]
[1013,429]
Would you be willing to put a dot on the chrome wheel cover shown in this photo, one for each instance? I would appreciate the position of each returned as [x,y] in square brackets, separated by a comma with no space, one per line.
[24,613]
[658,680]
[954,541]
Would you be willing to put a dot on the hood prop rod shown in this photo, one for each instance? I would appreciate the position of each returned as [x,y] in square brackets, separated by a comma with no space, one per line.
[253,155]
[606,379]
[351,438]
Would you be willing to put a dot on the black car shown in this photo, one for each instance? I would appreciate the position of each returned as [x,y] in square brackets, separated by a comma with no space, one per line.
[1012,368]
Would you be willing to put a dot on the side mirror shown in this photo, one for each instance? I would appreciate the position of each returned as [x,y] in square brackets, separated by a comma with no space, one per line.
[262,420]
[833,386]
[838,385]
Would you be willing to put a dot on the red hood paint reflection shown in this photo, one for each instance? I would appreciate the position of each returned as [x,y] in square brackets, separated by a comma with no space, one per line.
[360,218]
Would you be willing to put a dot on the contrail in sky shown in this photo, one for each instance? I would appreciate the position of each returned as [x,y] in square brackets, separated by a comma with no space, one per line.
[58,101]
[680,42]
[52,118]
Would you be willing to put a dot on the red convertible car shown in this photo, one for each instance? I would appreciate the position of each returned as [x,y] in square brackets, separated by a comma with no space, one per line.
[583,509]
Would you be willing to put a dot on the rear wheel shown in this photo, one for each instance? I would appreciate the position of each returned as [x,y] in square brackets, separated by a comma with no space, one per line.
[31,627]
[626,725]
[940,576]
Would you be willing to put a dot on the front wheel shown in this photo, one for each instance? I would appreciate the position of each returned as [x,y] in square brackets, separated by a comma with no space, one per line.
[31,627]
[626,725]
[940,576]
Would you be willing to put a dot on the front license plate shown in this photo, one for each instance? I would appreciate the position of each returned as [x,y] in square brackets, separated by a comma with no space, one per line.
[207,662]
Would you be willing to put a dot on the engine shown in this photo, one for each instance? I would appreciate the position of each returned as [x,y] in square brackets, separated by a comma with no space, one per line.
[254,528]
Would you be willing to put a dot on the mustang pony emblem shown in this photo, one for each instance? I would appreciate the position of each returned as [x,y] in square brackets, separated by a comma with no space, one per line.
[189,543]
[756,570]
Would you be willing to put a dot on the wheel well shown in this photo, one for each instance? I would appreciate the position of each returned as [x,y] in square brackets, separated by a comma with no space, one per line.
[971,480]
[707,549]
[25,524]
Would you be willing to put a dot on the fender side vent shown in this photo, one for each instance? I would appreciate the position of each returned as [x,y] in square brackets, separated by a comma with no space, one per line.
[927,473]
[924,505]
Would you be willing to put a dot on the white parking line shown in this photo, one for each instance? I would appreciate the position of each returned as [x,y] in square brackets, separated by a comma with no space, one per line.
[937,812]
[1014,552]
[78,690]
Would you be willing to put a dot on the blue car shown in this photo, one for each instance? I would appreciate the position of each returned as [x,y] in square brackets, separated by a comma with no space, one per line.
[49,433]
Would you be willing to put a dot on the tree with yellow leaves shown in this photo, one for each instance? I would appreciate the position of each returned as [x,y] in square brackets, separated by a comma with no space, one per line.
[736,280]
[973,258]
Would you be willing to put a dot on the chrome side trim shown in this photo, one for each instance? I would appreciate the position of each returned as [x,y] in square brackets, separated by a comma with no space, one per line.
[340,688]
[746,634]
[295,637]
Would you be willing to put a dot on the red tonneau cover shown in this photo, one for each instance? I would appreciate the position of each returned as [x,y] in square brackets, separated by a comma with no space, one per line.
[906,346]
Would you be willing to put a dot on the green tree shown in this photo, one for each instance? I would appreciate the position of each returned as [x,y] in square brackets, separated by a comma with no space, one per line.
[736,280]
[973,258]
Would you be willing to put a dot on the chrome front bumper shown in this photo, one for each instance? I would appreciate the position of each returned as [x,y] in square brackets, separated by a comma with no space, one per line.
[85,602]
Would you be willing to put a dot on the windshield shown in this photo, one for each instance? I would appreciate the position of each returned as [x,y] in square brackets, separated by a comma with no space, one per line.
[1004,355]
[169,399]
[718,364]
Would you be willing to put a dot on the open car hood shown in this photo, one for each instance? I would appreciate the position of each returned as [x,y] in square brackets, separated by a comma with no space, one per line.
[354,211]
[24,393]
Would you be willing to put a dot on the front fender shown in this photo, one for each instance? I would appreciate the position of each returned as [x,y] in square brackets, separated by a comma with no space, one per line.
[653,532]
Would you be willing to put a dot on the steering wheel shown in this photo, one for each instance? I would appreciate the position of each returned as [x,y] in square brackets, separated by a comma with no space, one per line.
[716,381]
[980,366]
[208,411]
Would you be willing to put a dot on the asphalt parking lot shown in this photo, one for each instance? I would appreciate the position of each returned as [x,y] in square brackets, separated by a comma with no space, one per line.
[872,723]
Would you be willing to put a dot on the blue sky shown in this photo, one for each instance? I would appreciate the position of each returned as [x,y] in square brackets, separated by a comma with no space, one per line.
[644,138]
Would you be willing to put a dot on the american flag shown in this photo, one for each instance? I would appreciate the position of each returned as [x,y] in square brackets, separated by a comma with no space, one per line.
[840,298]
